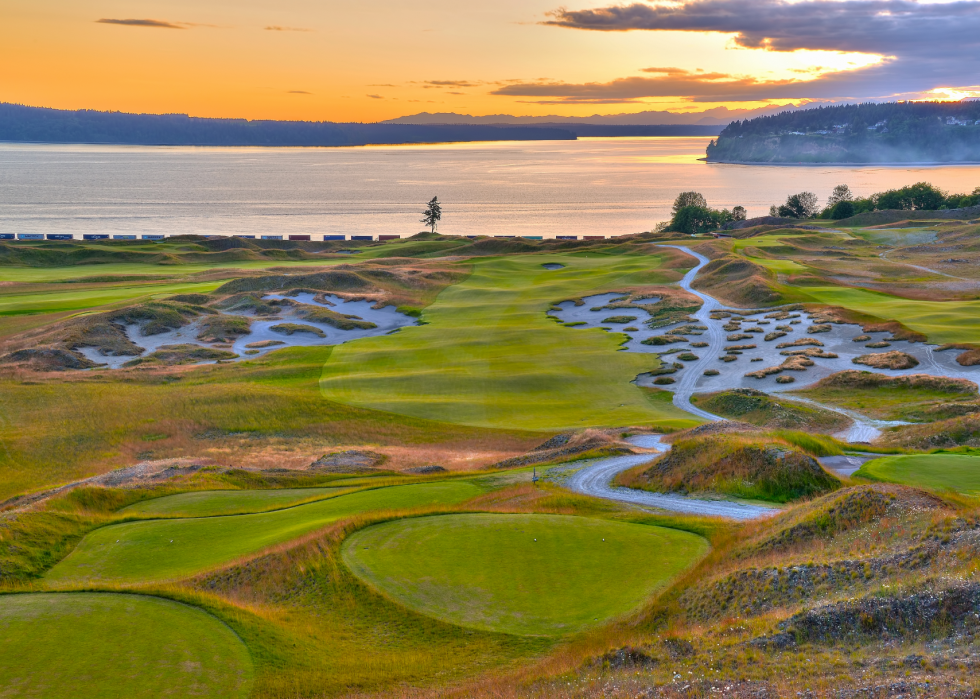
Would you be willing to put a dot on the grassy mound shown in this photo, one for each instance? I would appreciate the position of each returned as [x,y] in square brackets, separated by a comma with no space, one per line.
[83,645]
[748,466]
[291,328]
[759,408]
[315,314]
[172,355]
[520,574]
[166,549]
[834,514]
[888,360]
[914,397]
[739,282]
[959,472]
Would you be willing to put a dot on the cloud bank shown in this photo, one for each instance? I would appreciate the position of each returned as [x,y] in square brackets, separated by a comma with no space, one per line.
[926,45]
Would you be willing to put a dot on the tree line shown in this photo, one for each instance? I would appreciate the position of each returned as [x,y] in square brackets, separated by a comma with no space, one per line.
[38,125]
[691,214]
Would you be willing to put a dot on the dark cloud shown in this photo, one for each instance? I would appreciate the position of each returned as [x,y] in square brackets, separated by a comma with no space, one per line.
[867,26]
[927,44]
[277,28]
[449,83]
[299,92]
[667,82]
[155,23]
[375,97]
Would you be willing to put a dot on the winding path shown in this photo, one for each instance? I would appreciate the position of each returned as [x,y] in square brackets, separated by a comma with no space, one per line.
[596,480]
[716,338]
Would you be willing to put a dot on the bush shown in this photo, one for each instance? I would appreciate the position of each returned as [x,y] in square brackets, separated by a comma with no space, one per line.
[842,209]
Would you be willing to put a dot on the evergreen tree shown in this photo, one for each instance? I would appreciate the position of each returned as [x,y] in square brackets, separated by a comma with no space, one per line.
[432,214]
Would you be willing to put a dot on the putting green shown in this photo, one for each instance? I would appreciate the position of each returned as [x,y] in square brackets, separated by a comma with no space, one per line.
[958,472]
[82,645]
[169,549]
[534,575]
[489,355]
[204,503]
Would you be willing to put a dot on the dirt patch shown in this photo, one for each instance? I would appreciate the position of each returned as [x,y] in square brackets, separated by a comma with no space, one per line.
[562,446]
[351,461]
[425,470]
[888,360]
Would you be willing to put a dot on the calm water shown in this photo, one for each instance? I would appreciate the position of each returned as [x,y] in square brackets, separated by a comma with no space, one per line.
[591,186]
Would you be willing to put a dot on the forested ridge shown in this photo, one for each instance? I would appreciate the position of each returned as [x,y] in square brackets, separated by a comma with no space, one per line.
[19,123]
[857,133]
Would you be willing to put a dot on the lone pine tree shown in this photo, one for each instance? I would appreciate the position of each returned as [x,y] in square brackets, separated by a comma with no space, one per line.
[432,214]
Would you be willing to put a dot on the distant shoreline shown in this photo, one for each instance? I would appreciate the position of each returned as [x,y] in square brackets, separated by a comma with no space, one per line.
[934,163]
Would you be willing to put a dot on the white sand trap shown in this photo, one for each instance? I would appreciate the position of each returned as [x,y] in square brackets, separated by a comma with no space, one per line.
[387,320]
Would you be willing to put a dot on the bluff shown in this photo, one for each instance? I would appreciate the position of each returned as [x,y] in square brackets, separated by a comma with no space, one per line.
[897,132]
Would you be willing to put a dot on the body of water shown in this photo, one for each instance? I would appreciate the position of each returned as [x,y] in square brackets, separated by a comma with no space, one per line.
[547,188]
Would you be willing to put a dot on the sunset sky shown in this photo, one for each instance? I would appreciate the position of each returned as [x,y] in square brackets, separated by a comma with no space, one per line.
[378,59]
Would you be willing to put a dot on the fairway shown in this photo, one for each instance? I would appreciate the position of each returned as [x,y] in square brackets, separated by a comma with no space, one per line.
[940,321]
[168,549]
[83,645]
[958,472]
[69,299]
[489,356]
[532,575]
[204,503]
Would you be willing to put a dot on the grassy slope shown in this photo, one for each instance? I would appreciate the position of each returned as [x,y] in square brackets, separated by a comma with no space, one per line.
[523,574]
[55,430]
[74,272]
[69,299]
[168,549]
[489,355]
[85,645]
[957,472]
[205,503]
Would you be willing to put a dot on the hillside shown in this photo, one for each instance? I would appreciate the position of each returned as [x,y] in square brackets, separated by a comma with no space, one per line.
[19,123]
[866,133]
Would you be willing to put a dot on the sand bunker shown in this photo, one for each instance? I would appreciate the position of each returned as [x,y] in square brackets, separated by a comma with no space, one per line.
[294,326]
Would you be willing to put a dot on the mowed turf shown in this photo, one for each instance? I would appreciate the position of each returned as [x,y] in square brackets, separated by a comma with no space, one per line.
[490,356]
[49,300]
[204,503]
[959,472]
[544,575]
[940,321]
[88,645]
[169,549]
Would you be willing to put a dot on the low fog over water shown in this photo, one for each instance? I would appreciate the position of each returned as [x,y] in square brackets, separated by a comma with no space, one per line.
[546,188]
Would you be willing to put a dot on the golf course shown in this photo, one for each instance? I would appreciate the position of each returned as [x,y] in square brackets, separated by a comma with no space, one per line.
[400,513]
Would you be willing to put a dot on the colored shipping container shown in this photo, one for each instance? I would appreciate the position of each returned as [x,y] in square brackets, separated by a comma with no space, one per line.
[299,237]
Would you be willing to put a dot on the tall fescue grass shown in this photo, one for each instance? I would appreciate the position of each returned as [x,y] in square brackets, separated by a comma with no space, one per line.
[55,429]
